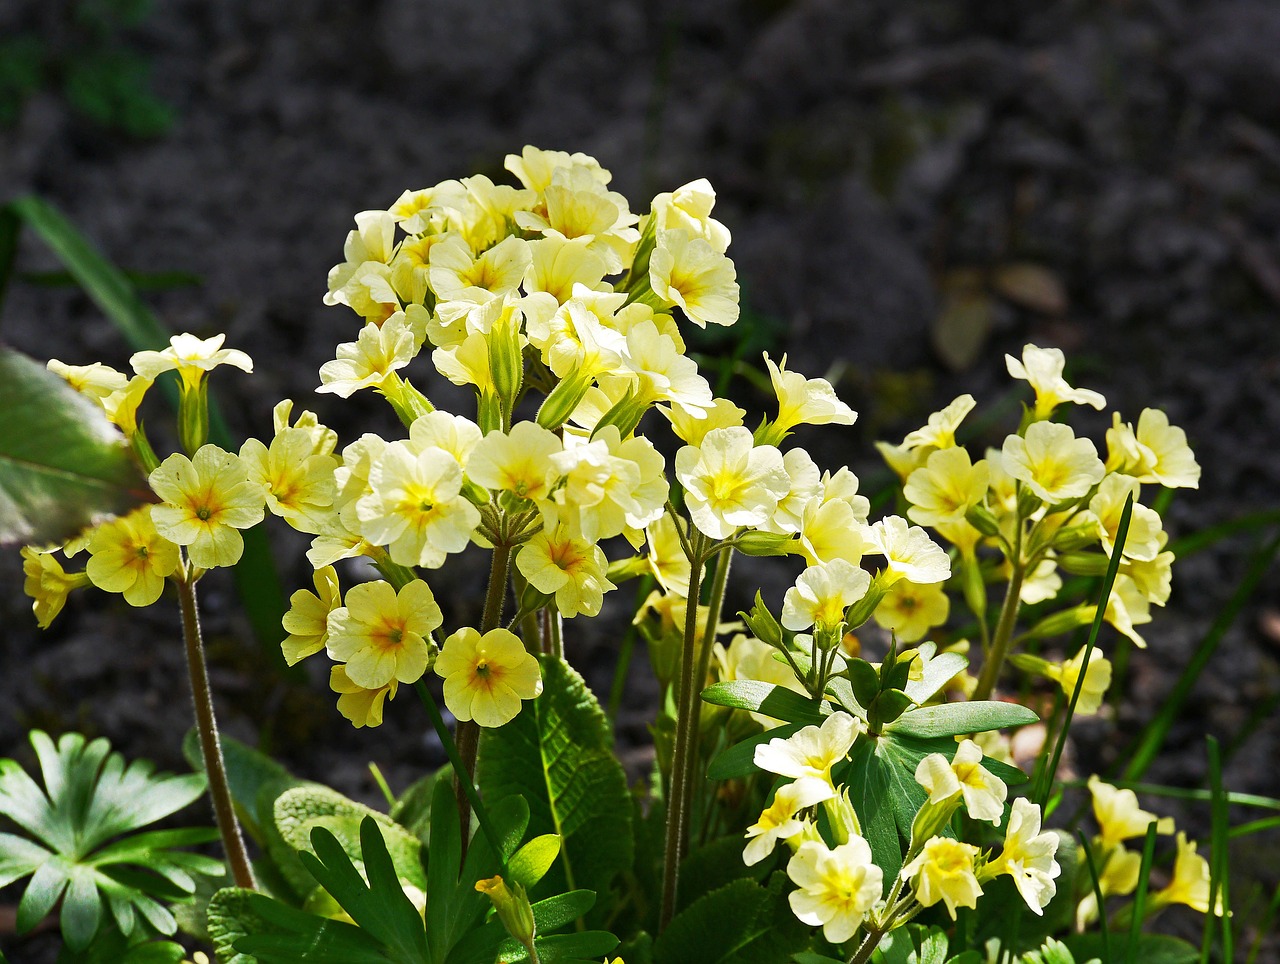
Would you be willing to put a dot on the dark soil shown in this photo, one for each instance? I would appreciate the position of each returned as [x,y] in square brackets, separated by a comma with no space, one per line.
[890,169]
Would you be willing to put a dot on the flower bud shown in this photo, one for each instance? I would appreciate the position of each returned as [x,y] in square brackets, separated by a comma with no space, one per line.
[1084,563]
[512,906]
[563,399]
[861,611]
[506,360]
[1075,537]
[620,570]
[754,543]
[1058,624]
[980,517]
[762,624]
[844,820]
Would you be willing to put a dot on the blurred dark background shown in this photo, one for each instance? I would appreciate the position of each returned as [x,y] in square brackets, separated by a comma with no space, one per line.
[914,187]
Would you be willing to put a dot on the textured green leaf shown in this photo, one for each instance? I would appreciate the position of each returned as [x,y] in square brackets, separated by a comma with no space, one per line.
[63,466]
[558,755]
[1151,949]
[254,929]
[300,810]
[759,697]
[741,923]
[952,719]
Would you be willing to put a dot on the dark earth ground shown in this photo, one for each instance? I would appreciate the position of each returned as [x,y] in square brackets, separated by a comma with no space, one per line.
[888,170]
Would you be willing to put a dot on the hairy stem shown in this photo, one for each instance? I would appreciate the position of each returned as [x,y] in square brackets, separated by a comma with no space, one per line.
[210,749]
[994,662]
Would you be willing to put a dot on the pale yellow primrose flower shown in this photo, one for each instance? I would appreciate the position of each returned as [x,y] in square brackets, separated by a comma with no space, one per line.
[944,871]
[748,658]
[1028,856]
[1042,367]
[122,406]
[1128,608]
[192,357]
[95,381]
[730,481]
[518,461]
[572,569]
[414,506]
[382,634]
[939,432]
[837,887]
[127,555]
[806,485]
[812,751]
[1118,875]
[1107,506]
[779,820]
[535,167]
[207,499]
[559,264]
[486,677]
[1154,579]
[1190,883]
[363,707]
[307,621]
[909,552]
[667,561]
[822,593]
[1119,816]
[946,487]
[454,270]
[299,482]
[1097,679]
[1170,462]
[692,429]
[47,584]
[1055,464]
[687,271]
[830,530]
[689,207]
[610,485]
[661,373]
[456,434]
[370,360]
[983,792]
[910,611]
[804,401]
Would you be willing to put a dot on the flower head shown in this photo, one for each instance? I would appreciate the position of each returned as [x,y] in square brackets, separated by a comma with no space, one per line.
[1042,367]
[1055,464]
[207,500]
[573,569]
[687,271]
[836,887]
[47,584]
[307,621]
[1119,816]
[128,556]
[909,552]
[486,677]
[804,401]
[1097,679]
[730,481]
[780,820]
[821,595]
[944,871]
[363,707]
[382,635]
[192,357]
[910,611]
[1027,856]
[813,750]
[983,792]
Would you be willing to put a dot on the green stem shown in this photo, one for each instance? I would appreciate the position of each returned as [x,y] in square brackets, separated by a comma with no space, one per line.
[994,662]
[678,802]
[692,776]
[210,749]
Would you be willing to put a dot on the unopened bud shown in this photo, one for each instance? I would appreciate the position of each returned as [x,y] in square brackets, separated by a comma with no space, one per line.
[1084,563]
[1063,622]
[561,402]
[1075,537]
[506,359]
[755,543]
[512,906]
[981,518]
[762,624]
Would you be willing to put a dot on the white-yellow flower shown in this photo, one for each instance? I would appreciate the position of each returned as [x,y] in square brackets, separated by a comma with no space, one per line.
[191,356]
[939,432]
[1042,367]
[946,487]
[1053,462]
[804,401]
[689,207]
[128,556]
[780,821]
[821,595]
[836,888]
[1167,456]
[687,271]
[96,381]
[486,677]
[299,482]
[1107,506]
[518,461]
[207,500]
[909,552]
[982,791]
[910,611]
[370,360]
[572,569]
[1028,856]
[1097,679]
[382,635]
[1119,816]
[307,621]
[812,751]
[944,871]
[730,481]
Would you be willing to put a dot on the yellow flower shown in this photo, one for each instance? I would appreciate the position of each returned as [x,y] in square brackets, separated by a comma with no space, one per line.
[938,433]
[804,401]
[689,207]
[383,635]
[667,560]
[813,750]
[689,272]
[48,584]
[1190,883]
[1027,856]
[946,487]
[1055,464]
[1105,509]
[1096,679]
[779,820]
[909,552]
[691,429]
[454,271]
[206,500]
[372,359]
[730,481]
[97,381]
[836,887]
[192,357]
[128,556]
[122,406]
[573,569]
[830,530]
[910,611]
[821,595]
[1042,367]
[1167,457]
[518,461]
[748,658]
[944,871]
[982,791]
[560,263]
[363,707]
[298,482]
[307,620]
[486,677]
[1119,816]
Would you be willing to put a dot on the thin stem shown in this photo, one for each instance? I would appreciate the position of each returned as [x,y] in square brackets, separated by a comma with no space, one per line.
[715,604]
[678,802]
[557,632]
[210,749]
[994,662]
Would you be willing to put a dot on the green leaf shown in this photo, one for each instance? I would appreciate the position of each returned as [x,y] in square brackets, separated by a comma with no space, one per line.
[276,933]
[1151,949]
[63,466]
[739,759]
[952,719]
[413,809]
[532,861]
[248,772]
[558,755]
[936,672]
[741,923]
[758,697]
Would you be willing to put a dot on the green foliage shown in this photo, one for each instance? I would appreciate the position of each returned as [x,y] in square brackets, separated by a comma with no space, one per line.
[741,923]
[913,944]
[85,851]
[63,466]
[558,755]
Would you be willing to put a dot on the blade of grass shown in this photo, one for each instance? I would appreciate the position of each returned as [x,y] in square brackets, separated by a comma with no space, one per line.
[10,225]
[1153,735]
[1264,926]
[1250,522]
[621,673]
[1122,532]
[1254,826]
[1140,897]
[257,579]
[1095,878]
[1219,865]
[1183,793]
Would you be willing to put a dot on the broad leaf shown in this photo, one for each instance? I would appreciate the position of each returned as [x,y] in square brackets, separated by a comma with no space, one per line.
[741,923]
[759,697]
[63,466]
[739,759]
[952,719]
[1151,949]
[558,755]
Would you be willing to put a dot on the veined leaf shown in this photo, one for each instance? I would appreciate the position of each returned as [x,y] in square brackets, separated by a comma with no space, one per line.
[767,698]
[952,719]
[558,755]
[741,923]
[63,466]
[739,759]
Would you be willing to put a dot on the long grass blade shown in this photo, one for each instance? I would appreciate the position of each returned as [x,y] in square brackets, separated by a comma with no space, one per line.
[1264,926]
[1219,865]
[1140,896]
[1096,880]
[1153,735]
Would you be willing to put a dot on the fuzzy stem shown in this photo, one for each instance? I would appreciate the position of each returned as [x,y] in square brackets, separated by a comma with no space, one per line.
[994,661]
[715,604]
[210,749]
[678,802]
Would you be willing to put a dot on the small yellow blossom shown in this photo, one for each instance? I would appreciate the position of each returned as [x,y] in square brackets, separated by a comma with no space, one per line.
[371,360]
[363,707]
[1042,367]
[1119,816]
[910,610]
[1027,856]
[687,271]
[811,751]
[382,635]
[1142,541]
[780,821]
[47,584]
[307,620]
[122,406]
[821,595]
[804,401]
[573,569]
[982,791]
[830,530]
[944,871]
[192,357]
[689,207]
[691,429]
[730,481]
[1097,679]
[128,556]
[1190,883]
[837,887]
[939,432]
[909,552]
[207,499]
[1167,458]
[1055,464]
[96,381]
[486,677]
[298,481]
[946,487]
[518,461]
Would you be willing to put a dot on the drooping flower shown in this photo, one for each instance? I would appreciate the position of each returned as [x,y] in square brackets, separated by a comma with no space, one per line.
[1119,816]
[1097,679]
[307,621]
[1027,856]
[486,677]
[909,552]
[47,584]
[982,791]
[1042,367]
[362,706]
[811,751]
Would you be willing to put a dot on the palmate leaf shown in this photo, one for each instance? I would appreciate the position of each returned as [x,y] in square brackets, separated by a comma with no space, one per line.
[63,466]
[91,796]
[558,755]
